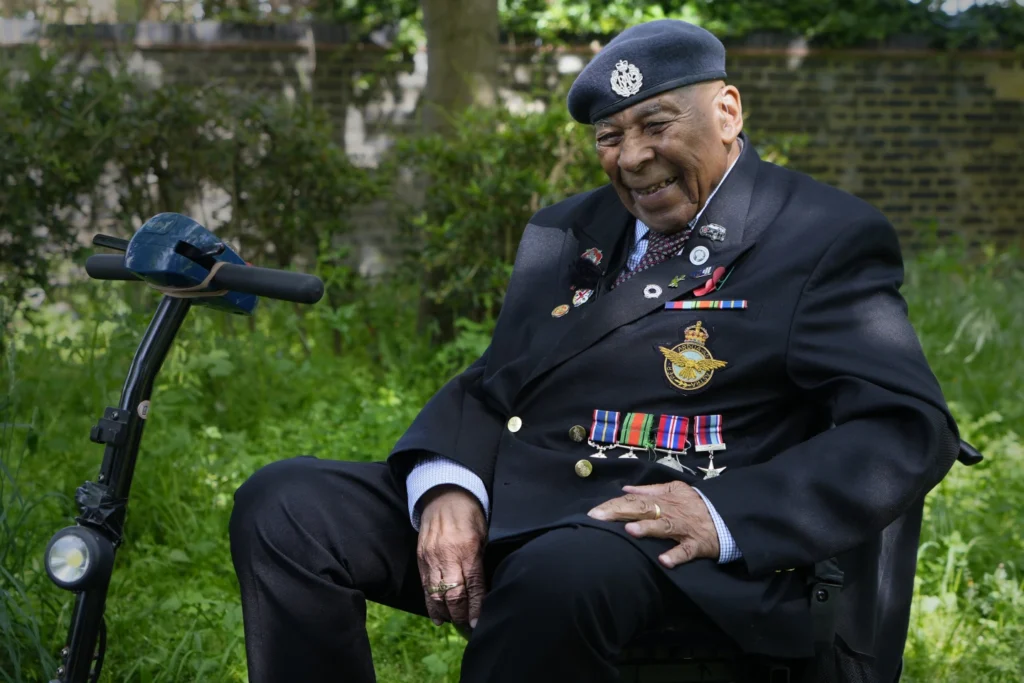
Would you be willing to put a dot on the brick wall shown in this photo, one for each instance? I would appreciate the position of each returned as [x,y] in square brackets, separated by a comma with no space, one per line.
[935,140]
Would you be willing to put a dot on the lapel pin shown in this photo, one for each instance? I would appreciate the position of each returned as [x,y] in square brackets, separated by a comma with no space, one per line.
[593,255]
[711,284]
[581,297]
[713,232]
[652,292]
[676,280]
[699,256]
[560,311]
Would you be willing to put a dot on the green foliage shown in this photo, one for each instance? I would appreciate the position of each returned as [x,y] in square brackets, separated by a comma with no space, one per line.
[827,23]
[55,128]
[81,136]
[485,181]
[233,397]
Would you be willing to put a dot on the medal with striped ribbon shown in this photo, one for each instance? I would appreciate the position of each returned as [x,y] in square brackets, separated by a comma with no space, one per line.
[707,437]
[671,438]
[604,430]
[636,433]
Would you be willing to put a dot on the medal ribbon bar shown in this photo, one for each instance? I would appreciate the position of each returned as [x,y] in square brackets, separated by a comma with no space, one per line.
[605,427]
[671,434]
[636,430]
[707,433]
[701,305]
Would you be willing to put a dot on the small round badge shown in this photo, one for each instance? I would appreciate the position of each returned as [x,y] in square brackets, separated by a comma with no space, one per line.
[652,291]
[578,433]
[560,311]
[699,256]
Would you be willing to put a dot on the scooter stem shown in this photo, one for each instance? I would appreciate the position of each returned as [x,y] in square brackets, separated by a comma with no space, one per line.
[102,505]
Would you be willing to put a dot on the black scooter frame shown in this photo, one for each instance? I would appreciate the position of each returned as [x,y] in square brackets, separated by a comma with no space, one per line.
[102,505]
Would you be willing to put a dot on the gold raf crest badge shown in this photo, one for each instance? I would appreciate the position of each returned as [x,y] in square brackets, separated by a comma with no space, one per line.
[689,365]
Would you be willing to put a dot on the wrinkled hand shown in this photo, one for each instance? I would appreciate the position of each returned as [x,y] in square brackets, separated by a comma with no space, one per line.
[450,550]
[684,519]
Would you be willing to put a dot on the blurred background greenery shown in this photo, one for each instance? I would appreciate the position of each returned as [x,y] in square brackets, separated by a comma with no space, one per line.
[342,379]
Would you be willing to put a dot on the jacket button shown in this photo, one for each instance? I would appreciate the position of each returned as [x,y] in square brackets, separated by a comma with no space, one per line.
[583,468]
[515,424]
[578,433]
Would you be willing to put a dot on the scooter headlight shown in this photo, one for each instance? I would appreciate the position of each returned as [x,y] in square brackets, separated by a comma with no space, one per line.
[68,559]
[78,558]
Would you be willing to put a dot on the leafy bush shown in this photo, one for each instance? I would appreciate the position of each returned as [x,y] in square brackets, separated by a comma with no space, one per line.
[97,148]
[827,23]
[54,127]
[484,182]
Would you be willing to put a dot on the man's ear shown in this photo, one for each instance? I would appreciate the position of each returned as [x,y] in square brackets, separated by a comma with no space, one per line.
[729,110]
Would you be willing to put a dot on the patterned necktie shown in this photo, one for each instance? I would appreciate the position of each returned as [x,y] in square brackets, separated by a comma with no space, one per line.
[660,248]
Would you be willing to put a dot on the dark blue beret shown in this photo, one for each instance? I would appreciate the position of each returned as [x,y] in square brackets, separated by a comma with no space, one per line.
[643,61]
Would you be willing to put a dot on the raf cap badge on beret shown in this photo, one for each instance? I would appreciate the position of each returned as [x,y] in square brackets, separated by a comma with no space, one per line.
[626,79]
[644,61]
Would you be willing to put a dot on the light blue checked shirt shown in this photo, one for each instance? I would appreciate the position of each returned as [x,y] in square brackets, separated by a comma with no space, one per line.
[437,470]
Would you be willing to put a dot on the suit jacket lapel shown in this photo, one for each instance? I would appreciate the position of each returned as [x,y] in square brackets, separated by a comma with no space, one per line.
[626,303]
[606,227]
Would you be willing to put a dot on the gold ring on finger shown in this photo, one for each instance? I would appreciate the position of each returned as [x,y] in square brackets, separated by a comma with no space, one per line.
[657,511]
[442,587]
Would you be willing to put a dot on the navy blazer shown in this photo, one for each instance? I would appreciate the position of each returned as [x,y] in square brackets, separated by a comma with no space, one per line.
[835,427]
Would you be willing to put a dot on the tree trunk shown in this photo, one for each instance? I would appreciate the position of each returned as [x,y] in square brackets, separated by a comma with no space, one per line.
[462,58]
[462,71]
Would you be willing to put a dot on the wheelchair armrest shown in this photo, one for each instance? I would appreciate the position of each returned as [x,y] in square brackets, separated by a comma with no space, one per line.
[968,454]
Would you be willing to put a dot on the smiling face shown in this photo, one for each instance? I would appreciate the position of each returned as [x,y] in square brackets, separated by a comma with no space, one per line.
[665,155]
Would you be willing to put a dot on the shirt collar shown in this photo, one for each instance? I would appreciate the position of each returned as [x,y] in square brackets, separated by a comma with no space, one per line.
[642,230]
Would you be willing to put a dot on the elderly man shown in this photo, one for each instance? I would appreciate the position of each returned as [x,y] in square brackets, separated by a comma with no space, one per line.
[702,382]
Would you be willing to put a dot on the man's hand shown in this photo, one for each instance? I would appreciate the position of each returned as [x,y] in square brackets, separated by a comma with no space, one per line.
[684,518]
[450,551]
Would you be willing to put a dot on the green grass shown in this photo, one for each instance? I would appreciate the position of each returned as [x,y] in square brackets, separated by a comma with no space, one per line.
[234,396]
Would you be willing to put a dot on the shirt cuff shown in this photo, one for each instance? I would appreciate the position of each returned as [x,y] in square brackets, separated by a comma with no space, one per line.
[728,551]
[437,470]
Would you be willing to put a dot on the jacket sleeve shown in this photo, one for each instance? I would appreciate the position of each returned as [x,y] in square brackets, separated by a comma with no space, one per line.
[851,348]
[456,424]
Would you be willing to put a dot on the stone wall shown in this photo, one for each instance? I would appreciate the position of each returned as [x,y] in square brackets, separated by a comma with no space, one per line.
[935,140]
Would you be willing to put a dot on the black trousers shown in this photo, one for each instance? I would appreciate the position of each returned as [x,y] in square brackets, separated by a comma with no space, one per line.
[312,539]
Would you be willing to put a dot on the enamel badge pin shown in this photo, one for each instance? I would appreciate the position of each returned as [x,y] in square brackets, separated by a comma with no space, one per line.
[581,296]
[559,311]
[593,255]
[690,366]
[712,231]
